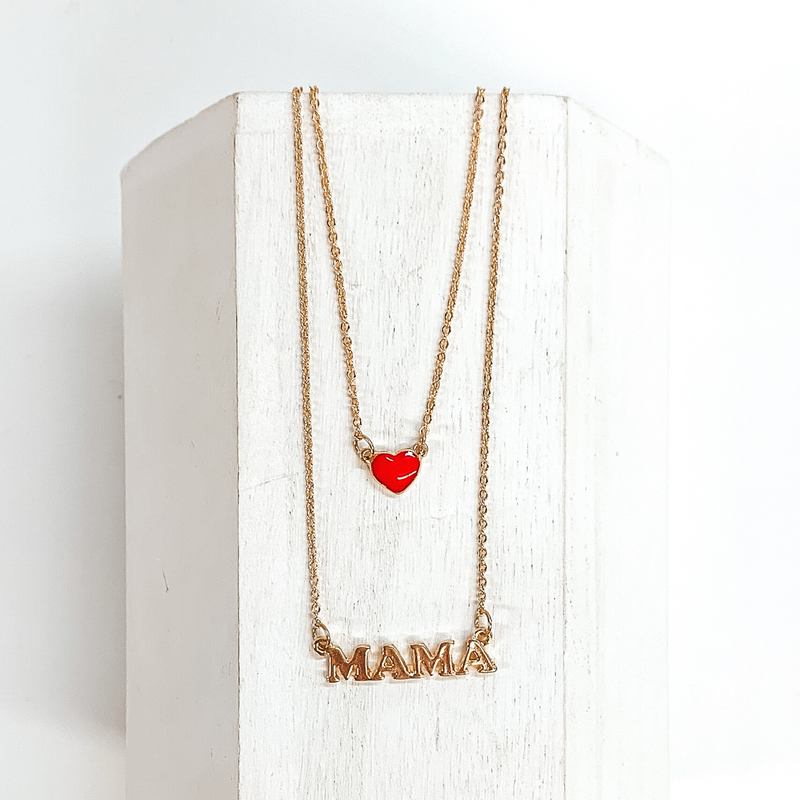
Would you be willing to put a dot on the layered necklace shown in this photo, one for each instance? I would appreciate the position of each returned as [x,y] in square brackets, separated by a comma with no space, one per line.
[397,470]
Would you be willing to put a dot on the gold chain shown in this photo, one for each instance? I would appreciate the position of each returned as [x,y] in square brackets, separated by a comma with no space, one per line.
[362,443]
[483,620]
[317,627]
[480,612]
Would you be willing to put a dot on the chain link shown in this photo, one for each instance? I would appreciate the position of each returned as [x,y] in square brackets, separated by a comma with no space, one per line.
[362,444]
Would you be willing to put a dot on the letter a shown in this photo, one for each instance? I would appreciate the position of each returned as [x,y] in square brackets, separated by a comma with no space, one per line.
[475,656]
[441,663]
[393,663]
[357,664]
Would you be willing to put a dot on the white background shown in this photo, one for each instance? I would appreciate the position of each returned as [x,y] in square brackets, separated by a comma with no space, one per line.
[714,87]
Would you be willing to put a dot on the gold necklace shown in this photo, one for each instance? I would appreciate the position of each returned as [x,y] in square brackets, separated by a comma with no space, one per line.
[421,660]
[395,471]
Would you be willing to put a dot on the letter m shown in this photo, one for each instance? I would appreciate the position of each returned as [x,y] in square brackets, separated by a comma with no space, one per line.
[441,663]
[357,664]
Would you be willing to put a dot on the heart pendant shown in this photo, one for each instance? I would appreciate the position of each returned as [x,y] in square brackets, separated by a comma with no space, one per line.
[396,472]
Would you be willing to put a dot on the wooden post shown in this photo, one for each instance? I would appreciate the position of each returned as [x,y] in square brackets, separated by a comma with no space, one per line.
[226,700]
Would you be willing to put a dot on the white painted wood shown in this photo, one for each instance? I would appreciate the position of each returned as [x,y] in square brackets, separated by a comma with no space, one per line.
[181,462]
[215,469]
[616,468]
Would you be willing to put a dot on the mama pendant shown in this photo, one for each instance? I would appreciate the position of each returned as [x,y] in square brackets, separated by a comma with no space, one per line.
[395,471]
[421,662]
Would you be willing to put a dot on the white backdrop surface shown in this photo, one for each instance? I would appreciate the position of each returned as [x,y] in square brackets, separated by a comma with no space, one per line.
[715,88]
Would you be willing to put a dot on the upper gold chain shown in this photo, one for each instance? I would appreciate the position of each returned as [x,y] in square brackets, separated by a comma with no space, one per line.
[362,443]
[483,620]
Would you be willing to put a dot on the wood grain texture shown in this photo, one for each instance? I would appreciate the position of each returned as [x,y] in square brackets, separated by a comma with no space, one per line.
[402,569]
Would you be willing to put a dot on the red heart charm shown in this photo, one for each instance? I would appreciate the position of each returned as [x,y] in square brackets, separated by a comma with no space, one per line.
[396,472]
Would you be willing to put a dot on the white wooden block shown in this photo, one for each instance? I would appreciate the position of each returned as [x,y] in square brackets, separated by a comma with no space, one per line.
[225,697]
